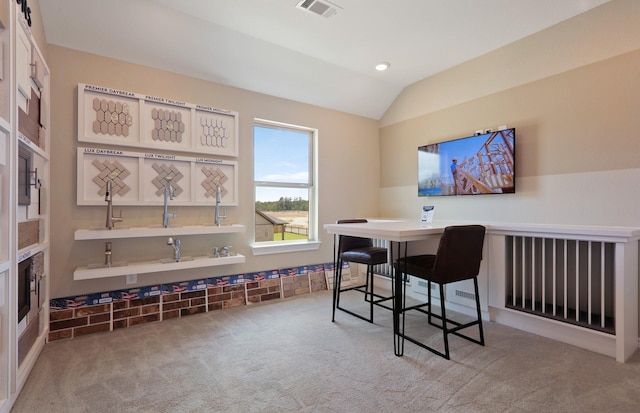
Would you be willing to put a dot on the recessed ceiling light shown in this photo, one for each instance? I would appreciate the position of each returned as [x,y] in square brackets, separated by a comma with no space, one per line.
[382,66]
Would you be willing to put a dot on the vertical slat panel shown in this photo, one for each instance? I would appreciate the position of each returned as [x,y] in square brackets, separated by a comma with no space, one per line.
[589,274]
[514,272]
[555,274]
[528,259]
[533,274]
[577,275]
[543,274]
[523,272]
[602,290]
[566,285]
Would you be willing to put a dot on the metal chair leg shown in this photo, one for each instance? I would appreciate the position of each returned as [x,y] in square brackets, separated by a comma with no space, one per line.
[445,329]
[336,248]
[429,302]
[475,285]
[369,284]
[337,281]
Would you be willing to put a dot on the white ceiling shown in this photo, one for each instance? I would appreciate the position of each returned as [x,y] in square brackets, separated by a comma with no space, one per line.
[272,47]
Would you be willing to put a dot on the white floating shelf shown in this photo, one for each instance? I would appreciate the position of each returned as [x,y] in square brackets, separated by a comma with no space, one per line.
[143,267]
[139,232]
[31,250]
[32,146]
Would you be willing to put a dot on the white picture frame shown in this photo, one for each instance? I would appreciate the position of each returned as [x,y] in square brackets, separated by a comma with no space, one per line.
[110,116]
[138,178]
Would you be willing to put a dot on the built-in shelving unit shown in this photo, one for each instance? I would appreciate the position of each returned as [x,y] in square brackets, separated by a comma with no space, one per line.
[89,273]
[24,201]
[140,232]
[118,269]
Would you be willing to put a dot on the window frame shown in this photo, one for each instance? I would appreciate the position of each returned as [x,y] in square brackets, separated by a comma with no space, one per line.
[312,243]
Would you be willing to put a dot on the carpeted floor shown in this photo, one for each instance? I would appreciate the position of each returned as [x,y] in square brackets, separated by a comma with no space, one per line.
[287,356]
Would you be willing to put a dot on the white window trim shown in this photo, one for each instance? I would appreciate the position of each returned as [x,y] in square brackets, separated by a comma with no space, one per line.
[280,247]
[266,248]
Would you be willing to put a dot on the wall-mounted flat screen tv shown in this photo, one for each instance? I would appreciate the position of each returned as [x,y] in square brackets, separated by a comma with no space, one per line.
[475,165]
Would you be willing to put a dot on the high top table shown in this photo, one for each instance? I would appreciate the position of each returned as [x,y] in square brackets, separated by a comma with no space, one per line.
[398,233]
[617,245]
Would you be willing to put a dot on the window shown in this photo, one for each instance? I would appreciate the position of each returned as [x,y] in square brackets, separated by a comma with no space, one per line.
[285,191]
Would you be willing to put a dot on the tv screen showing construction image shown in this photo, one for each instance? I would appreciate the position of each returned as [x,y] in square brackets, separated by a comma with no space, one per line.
[475,165]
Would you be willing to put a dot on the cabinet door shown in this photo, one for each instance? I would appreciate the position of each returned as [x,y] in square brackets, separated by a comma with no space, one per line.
[37,69]
[23,67]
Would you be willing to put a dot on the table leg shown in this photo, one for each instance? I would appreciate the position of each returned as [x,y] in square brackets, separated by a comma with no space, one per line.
[398,300]
[336,281]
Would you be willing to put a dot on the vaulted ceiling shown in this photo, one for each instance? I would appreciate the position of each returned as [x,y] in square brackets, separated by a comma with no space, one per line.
[277,48]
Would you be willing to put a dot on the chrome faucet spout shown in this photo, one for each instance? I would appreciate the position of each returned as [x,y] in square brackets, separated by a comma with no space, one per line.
[169,193]
[108,196]
[175,243]
[107,255]
[219,218]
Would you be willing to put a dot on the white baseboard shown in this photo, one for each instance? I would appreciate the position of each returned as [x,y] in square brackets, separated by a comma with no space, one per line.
[592,340]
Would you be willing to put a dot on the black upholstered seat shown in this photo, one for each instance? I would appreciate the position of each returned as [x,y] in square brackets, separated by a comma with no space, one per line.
[458,258]
[361,251]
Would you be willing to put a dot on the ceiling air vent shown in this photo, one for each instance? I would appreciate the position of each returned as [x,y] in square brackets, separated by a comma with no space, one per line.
[322,8]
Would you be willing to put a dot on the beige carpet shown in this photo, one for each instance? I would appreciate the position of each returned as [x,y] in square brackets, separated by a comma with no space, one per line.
[288,356]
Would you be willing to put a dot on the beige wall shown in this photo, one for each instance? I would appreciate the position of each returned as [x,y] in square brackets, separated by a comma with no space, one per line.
[570,91]
[573,122]
[571,94]
[37,29]
[606,31]
[341,136]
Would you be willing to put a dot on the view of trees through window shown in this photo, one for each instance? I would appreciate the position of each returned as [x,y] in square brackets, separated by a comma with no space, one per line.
[284,204]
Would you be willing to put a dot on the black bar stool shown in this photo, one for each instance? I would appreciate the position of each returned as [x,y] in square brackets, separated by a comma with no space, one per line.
[361,251]
[457,259]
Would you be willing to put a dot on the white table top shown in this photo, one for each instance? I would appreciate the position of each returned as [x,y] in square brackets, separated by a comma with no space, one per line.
[401,230]
[392,230]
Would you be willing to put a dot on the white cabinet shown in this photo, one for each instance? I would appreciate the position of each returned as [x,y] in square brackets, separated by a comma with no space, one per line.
[24,200]
[22,66]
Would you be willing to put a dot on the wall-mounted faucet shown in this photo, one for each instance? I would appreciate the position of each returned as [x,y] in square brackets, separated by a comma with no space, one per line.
[175,243]
[168,194]
[107,255]
[219,217]
[108,196]
[225,251]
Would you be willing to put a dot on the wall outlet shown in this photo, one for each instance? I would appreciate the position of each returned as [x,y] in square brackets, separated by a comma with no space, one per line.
[132,279]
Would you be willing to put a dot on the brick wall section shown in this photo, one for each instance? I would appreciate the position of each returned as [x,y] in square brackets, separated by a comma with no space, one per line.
[196,302]
[217,296]
[171,305]
[227,296]
[261,291]
[75,322]
[68,323]
[295,285]
[127,313]
[317,281]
